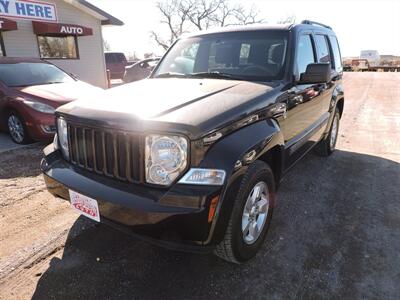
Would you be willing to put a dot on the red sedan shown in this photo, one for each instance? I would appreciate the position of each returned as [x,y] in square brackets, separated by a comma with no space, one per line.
[30,91]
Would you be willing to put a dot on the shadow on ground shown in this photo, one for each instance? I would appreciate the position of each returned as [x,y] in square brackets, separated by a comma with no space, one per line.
[21,162]
[335,234]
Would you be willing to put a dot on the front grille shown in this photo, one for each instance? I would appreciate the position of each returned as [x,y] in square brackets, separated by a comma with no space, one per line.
[111,153]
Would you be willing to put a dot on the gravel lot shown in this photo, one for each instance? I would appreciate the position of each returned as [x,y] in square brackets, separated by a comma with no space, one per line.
[335,231]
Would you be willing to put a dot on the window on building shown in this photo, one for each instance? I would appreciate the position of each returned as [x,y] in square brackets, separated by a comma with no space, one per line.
[322,48]
[305,53]
[58,47]
[2,49]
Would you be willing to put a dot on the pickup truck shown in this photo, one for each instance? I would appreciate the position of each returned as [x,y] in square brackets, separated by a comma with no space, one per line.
[191,157]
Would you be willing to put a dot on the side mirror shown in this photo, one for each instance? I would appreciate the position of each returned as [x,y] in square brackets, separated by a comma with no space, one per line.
[316,73]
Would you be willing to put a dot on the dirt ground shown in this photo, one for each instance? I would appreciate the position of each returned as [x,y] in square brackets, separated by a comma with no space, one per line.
[335,231]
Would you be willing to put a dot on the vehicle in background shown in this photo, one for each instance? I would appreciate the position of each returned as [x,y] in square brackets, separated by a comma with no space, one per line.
[363,65]
[116,63]
[30,91]
[360,65]
[372,56]
[140,70]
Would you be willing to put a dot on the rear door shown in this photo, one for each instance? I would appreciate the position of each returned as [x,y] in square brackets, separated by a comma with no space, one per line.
[325,55]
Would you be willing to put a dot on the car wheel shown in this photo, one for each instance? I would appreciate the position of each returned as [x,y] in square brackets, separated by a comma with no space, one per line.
[251,215]
[328,145]
[17,129]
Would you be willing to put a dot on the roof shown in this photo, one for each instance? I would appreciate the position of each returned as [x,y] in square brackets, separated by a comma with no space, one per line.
[242,28]
[262,27]
[106,18]
[16,60]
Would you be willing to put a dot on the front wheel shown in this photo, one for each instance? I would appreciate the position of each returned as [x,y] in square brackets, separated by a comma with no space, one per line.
[17,129]
[251,215]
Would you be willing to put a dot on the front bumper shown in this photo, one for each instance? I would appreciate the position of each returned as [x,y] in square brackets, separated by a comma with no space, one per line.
[177,217]
[40,126]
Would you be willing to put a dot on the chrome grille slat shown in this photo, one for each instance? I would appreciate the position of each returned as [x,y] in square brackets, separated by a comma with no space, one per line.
[76,145]
[128,170]
[105,152]
[115,155]
[94,152]
[85,158]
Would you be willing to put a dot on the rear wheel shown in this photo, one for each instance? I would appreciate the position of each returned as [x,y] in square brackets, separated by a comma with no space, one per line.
[17,129]
[328,144]
[251,215]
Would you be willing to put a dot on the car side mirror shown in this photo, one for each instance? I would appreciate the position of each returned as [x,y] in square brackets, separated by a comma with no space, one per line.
[316,73]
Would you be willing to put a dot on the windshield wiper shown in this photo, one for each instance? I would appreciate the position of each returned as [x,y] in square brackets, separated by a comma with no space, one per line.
[214,74]
[170,74]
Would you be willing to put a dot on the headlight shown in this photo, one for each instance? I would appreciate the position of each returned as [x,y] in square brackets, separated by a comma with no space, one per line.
[44,108]
[62,132]
[165,158]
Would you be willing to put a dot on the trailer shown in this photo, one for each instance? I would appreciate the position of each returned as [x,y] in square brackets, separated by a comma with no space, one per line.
[363,65]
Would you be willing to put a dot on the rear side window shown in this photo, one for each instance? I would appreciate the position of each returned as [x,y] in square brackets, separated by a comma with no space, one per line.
[336,54]
[120,57]
[109,58]
[305,53]
[322,49]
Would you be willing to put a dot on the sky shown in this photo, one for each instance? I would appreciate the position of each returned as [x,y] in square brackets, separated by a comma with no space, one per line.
[359,24]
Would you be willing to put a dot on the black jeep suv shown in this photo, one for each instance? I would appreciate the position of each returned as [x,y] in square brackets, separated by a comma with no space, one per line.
[191,157]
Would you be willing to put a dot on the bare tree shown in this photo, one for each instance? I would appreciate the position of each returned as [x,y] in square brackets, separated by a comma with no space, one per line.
[288,20]
[106,45]
[181,16]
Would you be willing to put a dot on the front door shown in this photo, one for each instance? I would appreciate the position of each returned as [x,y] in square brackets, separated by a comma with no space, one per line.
[304,122]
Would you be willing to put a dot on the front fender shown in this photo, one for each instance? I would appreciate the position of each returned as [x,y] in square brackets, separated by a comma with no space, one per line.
[233,154]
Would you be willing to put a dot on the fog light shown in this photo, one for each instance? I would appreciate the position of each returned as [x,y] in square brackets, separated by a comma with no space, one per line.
[48,128]
[204,177]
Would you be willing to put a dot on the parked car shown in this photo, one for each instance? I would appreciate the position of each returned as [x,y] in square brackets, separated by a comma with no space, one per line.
[116,63]
[140,70]
[191,157]
[30,91]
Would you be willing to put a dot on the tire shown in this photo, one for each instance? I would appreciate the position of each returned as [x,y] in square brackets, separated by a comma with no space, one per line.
[328,145]
[17,129]
[238,246]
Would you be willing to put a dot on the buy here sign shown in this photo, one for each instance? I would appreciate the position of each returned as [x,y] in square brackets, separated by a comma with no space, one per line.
[27,9]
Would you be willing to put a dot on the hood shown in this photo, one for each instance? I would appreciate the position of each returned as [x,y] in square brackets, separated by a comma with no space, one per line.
[59,93]
[197,105]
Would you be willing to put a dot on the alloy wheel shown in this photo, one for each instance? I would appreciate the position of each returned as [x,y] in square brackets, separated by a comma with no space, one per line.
[334,132]
[255,213]
[16,128]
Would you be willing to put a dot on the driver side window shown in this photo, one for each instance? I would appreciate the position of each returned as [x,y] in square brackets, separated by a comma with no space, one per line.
[305,53]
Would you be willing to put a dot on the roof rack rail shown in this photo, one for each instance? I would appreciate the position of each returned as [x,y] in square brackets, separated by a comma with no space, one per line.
[308,22]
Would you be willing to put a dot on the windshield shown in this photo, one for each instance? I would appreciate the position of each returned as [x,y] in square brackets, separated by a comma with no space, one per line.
[258,55]
[27,74]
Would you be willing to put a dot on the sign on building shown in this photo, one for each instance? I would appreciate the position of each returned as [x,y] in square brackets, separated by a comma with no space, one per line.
[27,9]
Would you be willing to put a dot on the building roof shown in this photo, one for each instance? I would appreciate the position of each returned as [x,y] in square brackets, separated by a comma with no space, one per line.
[106,18]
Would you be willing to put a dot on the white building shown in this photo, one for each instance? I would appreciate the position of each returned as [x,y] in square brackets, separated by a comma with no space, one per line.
[67,33]
[372,56]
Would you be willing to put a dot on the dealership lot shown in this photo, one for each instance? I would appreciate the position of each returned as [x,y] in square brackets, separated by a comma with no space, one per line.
[335,231]
[6,144]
